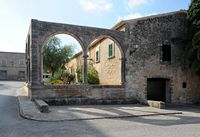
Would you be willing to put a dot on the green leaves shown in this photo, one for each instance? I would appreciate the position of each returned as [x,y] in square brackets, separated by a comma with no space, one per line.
[196,39]
[55,55]
[92,74]
[194,13]
[196,67]
[193,50]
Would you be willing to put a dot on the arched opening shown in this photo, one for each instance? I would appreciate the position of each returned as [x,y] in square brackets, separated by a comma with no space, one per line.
[57,51]
[105,62]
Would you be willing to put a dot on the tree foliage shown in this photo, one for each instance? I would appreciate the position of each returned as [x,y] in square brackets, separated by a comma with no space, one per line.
[92,74]
[193,50]
[55,55]
[194,13]
[61,77]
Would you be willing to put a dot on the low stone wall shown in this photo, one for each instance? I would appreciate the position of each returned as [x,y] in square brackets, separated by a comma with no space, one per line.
[81,94]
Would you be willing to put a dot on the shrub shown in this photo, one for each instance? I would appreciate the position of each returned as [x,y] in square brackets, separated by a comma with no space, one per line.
[92,75]
[57,82]
[57,76]
[67,77]
[79,74]
[61,75]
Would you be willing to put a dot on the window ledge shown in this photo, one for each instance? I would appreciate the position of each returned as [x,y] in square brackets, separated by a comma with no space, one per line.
[97,61]
[165,62]
[111,57]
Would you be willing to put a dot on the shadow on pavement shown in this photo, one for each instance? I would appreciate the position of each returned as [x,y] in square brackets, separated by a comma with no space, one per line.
[11,124]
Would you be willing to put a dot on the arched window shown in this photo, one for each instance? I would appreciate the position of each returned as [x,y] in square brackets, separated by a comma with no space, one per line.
[58,63]
[104,62]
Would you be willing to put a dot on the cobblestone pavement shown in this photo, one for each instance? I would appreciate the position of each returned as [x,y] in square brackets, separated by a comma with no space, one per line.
[186,124]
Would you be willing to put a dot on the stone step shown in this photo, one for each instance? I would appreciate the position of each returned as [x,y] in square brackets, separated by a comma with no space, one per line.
[156,104]
[42,106]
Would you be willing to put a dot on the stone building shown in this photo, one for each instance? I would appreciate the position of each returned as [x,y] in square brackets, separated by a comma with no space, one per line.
[104,55]
[153,65]
[156,68]
[12,66]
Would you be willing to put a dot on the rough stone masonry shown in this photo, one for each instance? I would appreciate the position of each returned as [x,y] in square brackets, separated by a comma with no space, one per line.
[153,51]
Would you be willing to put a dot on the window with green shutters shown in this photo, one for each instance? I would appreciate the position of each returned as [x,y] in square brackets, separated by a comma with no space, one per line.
[97,56]
[110,50]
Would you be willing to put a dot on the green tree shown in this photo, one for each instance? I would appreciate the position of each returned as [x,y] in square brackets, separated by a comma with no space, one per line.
[55,55]
[194,13]
[193,51]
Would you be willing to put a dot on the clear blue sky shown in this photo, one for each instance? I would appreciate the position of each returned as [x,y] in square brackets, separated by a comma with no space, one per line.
[16,15]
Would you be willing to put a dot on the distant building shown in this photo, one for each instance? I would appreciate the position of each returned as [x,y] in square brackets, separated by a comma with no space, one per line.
[12,66]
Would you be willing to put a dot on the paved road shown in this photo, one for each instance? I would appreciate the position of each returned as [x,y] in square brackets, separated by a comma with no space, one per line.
[12,125]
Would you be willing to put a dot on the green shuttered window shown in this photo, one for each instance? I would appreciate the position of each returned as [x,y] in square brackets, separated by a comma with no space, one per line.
[110,50]
[97,56]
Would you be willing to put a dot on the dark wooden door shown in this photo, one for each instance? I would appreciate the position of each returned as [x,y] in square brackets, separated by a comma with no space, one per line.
[156,89]
[3,75]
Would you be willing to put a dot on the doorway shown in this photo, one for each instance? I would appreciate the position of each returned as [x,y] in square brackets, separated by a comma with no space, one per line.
[3,75]
[157,89]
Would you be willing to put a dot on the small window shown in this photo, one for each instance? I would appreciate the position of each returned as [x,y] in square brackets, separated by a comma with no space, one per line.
[70,70]
[97,56]
[3,62]
[3,75]
[79,62]
[21,75]
[166,52]
[12,63]
[21,62]
[110,51]
[184,84]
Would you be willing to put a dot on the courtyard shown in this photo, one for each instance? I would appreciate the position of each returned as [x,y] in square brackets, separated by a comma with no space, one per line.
[102,68]
[186,124]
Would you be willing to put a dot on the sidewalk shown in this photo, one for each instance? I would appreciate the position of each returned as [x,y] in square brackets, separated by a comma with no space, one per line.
[28,110]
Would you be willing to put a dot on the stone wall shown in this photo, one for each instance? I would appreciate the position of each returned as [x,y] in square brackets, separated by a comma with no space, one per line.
[74,63]
[109,68]
[40,31]
[81,94]
[145,37]
[141,42]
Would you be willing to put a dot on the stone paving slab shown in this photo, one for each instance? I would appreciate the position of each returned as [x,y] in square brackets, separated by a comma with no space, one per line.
[28,110]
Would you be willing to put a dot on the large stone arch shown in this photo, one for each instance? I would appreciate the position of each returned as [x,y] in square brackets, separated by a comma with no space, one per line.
[45,38]
[39,31]
[49,34]
[119,45]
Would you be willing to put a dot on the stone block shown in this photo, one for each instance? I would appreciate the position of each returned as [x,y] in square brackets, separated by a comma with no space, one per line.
[156,104]
[42,106]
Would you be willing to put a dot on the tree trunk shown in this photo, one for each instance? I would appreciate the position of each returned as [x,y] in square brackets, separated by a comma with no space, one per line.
[52,73]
